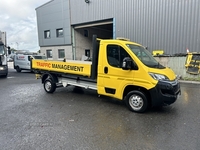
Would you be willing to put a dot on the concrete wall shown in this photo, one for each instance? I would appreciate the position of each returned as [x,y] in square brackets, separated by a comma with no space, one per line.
[177,64]
[68,51]
[82,42]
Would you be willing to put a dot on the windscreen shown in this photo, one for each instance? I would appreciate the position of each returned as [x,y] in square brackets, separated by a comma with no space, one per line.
[145,56]
[40,57]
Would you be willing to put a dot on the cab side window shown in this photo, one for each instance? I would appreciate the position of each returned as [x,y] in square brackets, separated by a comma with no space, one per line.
[115,55]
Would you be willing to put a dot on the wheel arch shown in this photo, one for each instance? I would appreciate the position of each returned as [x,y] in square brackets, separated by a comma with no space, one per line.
[49,75]
[138,88]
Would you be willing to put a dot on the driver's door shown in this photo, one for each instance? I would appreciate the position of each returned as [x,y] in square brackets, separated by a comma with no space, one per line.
[114,77]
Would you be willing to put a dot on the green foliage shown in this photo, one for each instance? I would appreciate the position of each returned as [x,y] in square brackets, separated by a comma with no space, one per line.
[191,79]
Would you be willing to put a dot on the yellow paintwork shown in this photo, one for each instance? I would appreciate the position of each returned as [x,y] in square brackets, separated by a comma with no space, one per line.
[167,72]
[118,79]
[191,62]
[188,59]
[37,76]
[158,52]
[71,67]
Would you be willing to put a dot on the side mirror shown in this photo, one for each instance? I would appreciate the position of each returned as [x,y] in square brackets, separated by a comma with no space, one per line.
[127,63]
[9,51]
[29,58]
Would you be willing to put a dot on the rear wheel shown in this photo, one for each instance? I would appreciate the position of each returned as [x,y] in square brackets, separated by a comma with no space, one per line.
[18,69]
[49,86]
[136,101]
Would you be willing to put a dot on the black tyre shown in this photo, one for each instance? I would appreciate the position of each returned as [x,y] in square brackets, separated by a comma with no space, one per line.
[5,76]
[49,86]
[136,101]
[18,69]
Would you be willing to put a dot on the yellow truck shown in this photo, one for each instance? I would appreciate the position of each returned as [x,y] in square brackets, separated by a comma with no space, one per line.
[120,69]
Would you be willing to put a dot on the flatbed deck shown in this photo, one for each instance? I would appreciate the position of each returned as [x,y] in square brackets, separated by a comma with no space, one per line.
[82,68]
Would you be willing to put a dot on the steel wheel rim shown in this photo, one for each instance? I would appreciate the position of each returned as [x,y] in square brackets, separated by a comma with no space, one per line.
[48,86]
[136,102]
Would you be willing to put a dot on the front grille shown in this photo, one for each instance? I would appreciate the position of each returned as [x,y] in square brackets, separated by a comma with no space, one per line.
[175,86]
[168,92]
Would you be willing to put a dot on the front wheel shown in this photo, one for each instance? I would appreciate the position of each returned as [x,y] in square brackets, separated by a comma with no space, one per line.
[136,101]
[49,86]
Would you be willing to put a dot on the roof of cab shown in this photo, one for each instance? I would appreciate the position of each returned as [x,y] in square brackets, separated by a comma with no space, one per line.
[121,40]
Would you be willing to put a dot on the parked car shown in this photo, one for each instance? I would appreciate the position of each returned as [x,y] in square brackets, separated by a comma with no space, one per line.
[22,61]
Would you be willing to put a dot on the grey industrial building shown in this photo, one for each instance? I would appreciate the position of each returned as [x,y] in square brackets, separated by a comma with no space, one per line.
[65,27]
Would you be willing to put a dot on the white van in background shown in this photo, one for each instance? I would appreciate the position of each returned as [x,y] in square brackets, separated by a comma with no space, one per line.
[23,61]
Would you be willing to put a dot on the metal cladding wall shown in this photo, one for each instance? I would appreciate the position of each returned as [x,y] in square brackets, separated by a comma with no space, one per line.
[51,16]
[170,25]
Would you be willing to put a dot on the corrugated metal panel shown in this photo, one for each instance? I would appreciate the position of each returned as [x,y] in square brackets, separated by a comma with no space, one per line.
[92,24]
[171,25]
[51,16]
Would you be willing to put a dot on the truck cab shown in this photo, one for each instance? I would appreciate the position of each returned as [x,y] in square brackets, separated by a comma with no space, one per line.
[3,60]
[126,70]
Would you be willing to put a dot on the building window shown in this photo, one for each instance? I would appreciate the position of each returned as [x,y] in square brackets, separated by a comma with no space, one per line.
[47,34]
[49,53]
[87,52]
[86,33]
[59,32]
[61,53]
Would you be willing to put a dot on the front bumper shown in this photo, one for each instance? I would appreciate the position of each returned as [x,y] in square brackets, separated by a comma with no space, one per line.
[3,70]
[165,93]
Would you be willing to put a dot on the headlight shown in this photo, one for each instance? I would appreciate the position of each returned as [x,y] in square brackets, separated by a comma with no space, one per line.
[158,76]
[2,68]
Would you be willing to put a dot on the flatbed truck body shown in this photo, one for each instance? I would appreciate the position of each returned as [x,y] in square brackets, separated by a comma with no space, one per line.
[120,69]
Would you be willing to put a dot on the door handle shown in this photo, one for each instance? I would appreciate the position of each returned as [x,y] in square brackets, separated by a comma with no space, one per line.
[105,70]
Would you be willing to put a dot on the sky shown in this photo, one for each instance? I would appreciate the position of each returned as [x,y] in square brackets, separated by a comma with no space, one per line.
[18,20]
